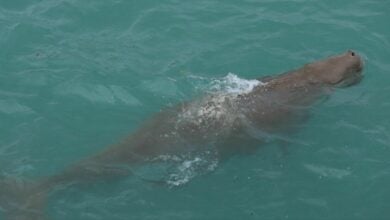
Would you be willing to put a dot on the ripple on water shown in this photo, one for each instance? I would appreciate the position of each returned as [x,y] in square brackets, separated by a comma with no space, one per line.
[11,107]
[108,94]
[324,171]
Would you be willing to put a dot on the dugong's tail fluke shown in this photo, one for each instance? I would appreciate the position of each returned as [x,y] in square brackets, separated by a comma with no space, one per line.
[21,200]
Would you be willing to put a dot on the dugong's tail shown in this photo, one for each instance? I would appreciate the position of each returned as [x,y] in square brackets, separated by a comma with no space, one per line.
[22,200]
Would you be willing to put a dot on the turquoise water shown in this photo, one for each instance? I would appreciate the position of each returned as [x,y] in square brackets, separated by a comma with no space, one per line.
[76,76]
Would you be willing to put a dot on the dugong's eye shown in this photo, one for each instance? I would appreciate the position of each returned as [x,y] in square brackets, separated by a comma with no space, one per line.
[352,53]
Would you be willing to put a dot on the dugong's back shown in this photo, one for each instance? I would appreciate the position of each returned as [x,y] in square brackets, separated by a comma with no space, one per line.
[273,106]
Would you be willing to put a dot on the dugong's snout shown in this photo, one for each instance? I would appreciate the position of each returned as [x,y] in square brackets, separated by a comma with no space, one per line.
[353,73]
[358,62]
[337,71]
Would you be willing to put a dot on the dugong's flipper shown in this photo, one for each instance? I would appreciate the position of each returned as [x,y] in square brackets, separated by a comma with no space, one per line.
[21,200]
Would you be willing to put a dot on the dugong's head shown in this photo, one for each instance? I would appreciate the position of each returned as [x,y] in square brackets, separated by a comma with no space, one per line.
[339,71]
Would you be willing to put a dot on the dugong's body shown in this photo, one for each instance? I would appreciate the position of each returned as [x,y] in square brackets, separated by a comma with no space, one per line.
[272,107]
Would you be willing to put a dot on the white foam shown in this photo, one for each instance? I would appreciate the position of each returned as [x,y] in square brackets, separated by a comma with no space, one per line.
[180,169]
[189,169]
[233,84]
[219,107]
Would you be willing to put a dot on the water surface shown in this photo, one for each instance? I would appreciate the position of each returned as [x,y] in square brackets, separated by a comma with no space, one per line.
[76,76]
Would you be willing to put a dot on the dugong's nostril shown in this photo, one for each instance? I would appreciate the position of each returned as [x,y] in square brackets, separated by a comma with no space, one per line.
[352,53]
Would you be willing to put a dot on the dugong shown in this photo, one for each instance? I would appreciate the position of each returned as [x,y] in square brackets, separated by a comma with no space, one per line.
[272,107]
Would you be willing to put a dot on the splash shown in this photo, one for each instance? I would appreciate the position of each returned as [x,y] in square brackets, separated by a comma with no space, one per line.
[229,84]
[190,168]
[232,84]
[219,107]
[177,170]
